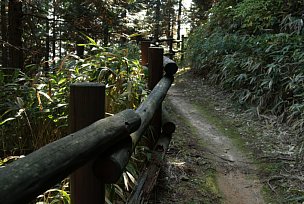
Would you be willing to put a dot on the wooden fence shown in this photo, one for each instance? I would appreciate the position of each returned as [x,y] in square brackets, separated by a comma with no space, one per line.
[98,149]
[180,45]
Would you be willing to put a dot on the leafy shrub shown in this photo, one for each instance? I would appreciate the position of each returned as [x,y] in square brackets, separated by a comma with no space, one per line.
[33,111]
[257,16]
[261,68]
[254,49]
[34,108]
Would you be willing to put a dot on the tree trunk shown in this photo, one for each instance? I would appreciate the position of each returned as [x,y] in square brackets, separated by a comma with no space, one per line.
[4,33]
[15,34]
[60,41]
[47,46]
[105,34]
[168,31]
[179,15]
[157,20]
[54,32]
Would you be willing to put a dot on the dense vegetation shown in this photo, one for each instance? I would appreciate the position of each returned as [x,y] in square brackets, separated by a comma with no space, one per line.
[254,50]
[47,45]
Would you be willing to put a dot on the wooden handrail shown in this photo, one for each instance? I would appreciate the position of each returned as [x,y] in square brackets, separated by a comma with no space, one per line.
[26,178]
[119,157]
[113,137]
[170,67]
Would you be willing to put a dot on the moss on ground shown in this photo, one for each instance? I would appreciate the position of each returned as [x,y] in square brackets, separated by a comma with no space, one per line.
[187,177]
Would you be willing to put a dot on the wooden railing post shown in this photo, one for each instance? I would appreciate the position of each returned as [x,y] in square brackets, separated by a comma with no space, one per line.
[87,105]
[155,74]
[144,47]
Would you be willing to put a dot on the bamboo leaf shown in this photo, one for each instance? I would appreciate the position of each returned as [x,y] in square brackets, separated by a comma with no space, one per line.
[6,120]
[131,177]
[126,181]
[61,81]
[92,42]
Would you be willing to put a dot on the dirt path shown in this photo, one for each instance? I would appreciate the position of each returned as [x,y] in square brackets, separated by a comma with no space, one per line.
[235,175]
[203,164]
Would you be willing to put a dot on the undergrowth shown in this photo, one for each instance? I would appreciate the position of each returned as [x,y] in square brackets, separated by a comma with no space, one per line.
[34,107]
[254,49]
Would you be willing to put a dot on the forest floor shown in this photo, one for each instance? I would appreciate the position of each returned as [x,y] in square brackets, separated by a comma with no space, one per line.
[221,153]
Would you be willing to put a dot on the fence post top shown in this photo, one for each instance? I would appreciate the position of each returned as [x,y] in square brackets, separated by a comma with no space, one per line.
[87,84]
[156,48]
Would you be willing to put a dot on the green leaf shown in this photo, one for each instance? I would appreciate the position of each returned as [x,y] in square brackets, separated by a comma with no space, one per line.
[135,35]
[6,120]
[126,181]
[20,102]
[61,81]
[131,177]
[92,42]
[45,95]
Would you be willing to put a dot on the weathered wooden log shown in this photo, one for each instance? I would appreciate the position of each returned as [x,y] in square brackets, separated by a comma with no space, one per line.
[118,159]
[26,178]
[110,167]
[144,46]
[148,179]
[155,75]
[147,109]
[87,105]
[170,66]
[168,127]
[155,66]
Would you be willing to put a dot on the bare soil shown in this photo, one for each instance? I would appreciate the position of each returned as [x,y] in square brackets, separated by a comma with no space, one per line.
[236,176]
[209,161]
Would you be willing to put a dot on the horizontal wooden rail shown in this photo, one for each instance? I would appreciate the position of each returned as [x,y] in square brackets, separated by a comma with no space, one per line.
[169,41]
[170,67]
[119,157]
[148,107]
[26,178]
[106,144]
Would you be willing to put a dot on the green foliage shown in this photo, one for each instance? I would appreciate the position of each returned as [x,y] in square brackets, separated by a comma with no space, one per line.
[34,109]
[58,195]
[38,105]
[256,16]
[121,72]
[255,50]
[273,81]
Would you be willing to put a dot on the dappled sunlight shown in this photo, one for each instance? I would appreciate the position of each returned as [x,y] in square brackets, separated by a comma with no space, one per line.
[182,70]
[177,164]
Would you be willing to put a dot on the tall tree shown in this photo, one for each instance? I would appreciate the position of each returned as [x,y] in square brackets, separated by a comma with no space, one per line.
[4,33]
[157,18]
[15,34]
[179,16]
[169,17]
[199,11]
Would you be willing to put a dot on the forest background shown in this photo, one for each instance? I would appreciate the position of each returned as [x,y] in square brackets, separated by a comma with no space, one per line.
[253,48]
